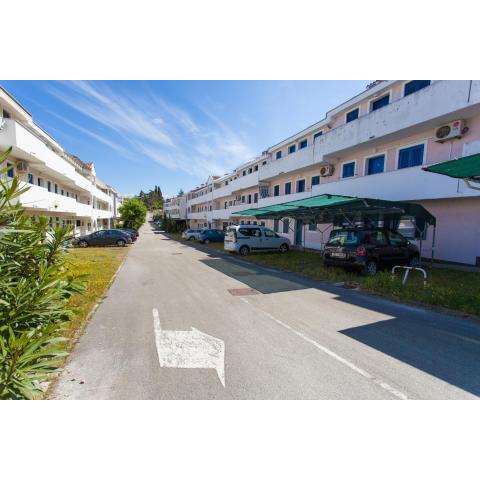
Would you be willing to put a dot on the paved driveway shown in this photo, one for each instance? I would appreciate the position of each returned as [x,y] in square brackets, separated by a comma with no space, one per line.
[291,339]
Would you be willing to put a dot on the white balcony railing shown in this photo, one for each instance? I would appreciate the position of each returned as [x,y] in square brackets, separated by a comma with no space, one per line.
[292,162]
[222,191]
[245,181]
[440,102]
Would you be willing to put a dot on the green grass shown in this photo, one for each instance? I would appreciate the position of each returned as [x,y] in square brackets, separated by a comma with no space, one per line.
[454,289]
[98,265]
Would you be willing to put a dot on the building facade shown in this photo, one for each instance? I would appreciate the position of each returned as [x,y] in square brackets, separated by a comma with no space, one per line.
[373,145]
[61,186]
[176,207]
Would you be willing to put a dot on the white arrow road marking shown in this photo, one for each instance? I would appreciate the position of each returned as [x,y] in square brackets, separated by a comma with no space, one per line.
[188,349]
[334,355]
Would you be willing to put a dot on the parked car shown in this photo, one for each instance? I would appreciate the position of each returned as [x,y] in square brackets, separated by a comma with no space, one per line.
[244,239]
[131,231]
[191,234]
[104,237]
[368,249]
[208,235]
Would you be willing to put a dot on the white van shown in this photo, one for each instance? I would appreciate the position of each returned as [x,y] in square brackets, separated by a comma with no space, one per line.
[244,239]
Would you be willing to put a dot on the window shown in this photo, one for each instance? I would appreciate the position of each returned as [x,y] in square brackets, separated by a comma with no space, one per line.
[276,190]
[49,186]
[375,164]
[262,224]
[10,171]
[244,172]
[226,182]
[6,114]
[78,223]
[316,180]
[414,86]
[276,225]
[56,188]
[278,155]
[286,224]
[312,227]
[302,144]
[255,168]
[249,198]
[381,102]
[61,192]
[411,156]
[269,233]
[291,149]
[396,239]
[348,169]
[353,115]
[243,198]
[300,186]
[39,181]
[30,178]
[318,134]
[288,188]
[255,197]
[250,170]
[375,238]
[225,205]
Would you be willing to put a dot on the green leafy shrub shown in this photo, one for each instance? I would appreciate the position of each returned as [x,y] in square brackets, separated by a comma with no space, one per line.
[133,213]
[34,290]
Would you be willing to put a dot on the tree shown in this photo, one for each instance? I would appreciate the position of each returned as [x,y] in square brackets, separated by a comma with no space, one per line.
[34,291]
[153,200]
[181,193]
[133,213]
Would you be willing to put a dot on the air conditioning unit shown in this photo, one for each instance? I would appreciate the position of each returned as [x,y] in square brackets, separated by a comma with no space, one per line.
[22,167]
[327,170]
[451,130]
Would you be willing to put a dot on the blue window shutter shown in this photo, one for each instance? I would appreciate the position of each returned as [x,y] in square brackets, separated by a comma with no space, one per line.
[376,165]
[288,188]
[411,156]
[348,170]
[381,102]
[276,190]
[353,115]
[318,134]
[415,85]
[278,154]
[316,180]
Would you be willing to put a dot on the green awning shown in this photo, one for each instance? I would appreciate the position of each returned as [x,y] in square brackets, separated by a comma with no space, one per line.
[328,208]
[464,167]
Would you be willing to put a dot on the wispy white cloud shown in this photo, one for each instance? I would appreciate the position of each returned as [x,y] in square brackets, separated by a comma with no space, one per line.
[148,126]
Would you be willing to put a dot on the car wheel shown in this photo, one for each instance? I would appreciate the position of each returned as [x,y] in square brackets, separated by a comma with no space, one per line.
[244,251]
[83,244]
[121,243]
[414,261]
[371,268]
[283,248]
[206,241]
[191,238]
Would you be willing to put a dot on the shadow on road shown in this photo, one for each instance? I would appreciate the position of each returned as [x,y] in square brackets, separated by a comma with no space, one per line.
[443,346]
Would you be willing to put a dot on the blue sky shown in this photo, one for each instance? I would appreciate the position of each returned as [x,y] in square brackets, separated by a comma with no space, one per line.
[174,133]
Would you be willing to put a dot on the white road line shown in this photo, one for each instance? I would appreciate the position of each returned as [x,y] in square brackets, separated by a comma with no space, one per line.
[337,357]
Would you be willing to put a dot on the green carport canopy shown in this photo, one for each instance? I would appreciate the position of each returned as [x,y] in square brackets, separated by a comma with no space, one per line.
[328,208]
[465,167]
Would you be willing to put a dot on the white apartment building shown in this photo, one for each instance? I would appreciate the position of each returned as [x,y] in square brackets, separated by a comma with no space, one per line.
[374,145]
[176,207]
[61,186]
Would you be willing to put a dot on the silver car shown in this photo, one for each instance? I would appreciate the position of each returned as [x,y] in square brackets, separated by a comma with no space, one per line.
[244,239]
[191,234]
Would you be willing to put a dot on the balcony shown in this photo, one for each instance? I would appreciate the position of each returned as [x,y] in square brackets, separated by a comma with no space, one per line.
[246,181]
[26,146]
[41,199]
[267,201]
[406,184]
[441,102]
[197,215]
[222,191]
[294,161]
[99,213]
[201,199]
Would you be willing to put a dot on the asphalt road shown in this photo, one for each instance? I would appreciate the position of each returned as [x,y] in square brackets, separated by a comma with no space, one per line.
[293,339]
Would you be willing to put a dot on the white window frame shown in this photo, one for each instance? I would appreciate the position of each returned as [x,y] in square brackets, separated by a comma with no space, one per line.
[351,110]
[354,170]
[379,97]
[402,93]
[397,152]
[373,155]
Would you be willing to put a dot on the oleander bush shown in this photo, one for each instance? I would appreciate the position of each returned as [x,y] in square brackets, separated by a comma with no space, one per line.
[34,290]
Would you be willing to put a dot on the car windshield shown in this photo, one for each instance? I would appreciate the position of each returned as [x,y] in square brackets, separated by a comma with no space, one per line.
[344,237]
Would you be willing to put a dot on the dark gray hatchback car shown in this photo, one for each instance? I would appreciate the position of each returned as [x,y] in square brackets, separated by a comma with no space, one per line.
[104,238]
